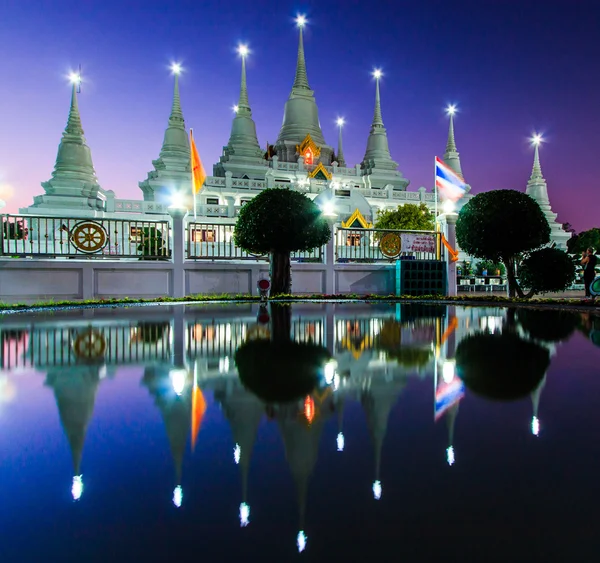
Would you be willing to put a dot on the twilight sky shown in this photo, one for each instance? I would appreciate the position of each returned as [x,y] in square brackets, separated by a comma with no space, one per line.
[512,67]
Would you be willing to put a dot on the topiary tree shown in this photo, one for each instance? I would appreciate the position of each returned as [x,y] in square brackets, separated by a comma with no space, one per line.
[501,225]
[278,222]
[407,217]
[546,269]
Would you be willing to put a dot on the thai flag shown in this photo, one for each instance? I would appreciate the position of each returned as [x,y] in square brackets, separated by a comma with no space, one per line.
[449,184]
[447,395]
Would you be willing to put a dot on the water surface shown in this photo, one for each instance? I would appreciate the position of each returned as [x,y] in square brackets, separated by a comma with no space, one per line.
[428,433]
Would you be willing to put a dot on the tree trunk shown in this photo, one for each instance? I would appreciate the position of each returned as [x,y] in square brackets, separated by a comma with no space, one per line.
[281,322]
[511,279]
[281,274]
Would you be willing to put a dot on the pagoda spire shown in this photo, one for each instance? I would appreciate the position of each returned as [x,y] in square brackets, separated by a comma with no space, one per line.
[74,120]
[301,115]
[175,142]
[300,79]
[536,171]
[451,156]
[377,154]
[340,152]
[243,140]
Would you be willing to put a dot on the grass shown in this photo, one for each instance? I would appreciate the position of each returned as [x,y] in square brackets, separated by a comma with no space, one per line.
[461,299]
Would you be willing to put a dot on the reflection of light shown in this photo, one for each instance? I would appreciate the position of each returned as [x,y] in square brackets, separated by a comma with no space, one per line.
[177,200]
[448,371]
[178,377]
[244,515]
[237,453]
[336,382]
[309,409]
[340,442]
[177,496]
[77,487]
[535,426]
[301,541]
[328,208]
[377,490]
[491,323]
[448,206]
[450,455]
[223,365]
[329,371]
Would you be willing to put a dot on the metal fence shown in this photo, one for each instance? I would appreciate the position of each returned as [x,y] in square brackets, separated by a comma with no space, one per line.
[378,245]
[28,236]
[214,241]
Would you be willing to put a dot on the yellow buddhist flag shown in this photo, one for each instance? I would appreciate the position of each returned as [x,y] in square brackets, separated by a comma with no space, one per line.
[198,410]
[198,172]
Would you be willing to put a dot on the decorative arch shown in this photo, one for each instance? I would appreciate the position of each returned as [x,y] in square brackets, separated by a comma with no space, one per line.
[320,173]
[356,221]
[309,150]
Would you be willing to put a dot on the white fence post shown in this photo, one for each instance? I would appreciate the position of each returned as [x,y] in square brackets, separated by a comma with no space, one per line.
[448,222]
[178,258]
[330,261]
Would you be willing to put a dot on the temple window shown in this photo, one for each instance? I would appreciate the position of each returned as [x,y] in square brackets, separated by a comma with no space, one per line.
[212,201]
[204,235]
[353,239]
[308,156]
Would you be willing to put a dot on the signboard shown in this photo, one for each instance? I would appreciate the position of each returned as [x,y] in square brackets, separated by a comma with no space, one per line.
[418,243]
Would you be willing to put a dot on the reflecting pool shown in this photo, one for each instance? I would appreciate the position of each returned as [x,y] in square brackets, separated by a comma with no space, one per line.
[309,432]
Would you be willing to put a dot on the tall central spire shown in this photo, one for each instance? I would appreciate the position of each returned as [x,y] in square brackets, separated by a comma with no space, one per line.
[301,80]
[451,156]
[74,120]
[176,143]
[340,154]
[301,115]
[536,171]
[378,154]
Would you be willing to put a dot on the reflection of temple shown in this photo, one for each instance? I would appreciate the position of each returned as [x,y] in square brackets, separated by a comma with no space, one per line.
[75,394]
[187,352]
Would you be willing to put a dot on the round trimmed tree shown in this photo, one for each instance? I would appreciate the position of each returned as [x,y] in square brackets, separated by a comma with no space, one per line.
[546,269]
[501,225]
[277,222]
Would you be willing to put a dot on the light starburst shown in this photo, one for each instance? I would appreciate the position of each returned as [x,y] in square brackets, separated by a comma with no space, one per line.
[74,78]
[243,50]
[301,20]
[340,121]
[377,74]
[451,110]
[176,68]
[536,139]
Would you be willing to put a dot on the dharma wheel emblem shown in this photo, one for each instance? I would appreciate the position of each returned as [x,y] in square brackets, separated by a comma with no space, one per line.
[89,237]
[390,245]
[89,345]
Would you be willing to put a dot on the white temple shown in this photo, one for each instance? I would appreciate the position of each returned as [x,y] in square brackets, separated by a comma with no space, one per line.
[300,159]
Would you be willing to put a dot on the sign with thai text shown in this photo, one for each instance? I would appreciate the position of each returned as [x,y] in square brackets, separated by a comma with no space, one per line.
[418,243]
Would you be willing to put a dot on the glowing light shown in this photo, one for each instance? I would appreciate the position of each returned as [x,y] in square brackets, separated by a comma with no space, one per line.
[301,541]
[77,487]
[224,364]
[328,209]
[450,455]
[244,515]
[448,206]
[451,109]
[243,50]
[235,108]
[309,408]
[178,379]
[329,371]
[340,121]
[176,69]
[74,78]
[377,489]
[340,442]
[177,200]
[535,426]
[448,370]
[336,382]
[237,453]
[377,74]
[301,20]
[177,496]
[537,139]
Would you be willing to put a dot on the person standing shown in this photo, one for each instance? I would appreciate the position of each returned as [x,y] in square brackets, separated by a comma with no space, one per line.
[588,261]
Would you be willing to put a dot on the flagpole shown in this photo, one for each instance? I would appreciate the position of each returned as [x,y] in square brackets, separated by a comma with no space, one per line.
[435,190]
[191,158]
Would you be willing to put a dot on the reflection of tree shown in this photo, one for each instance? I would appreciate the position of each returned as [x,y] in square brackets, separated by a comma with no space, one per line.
[548,325]
[280,370]
[501,366]
[389,340]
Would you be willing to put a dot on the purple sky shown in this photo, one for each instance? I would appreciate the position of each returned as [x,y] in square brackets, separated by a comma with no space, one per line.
[512,67]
